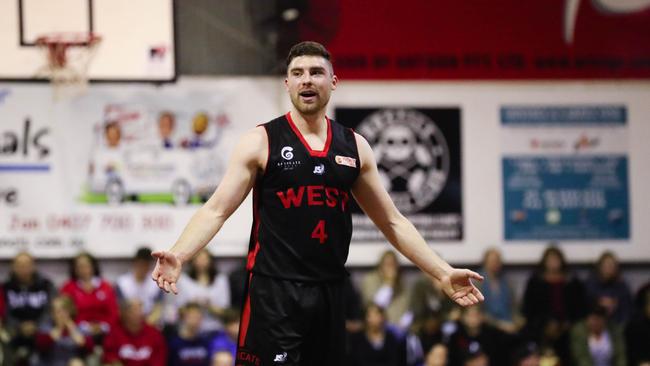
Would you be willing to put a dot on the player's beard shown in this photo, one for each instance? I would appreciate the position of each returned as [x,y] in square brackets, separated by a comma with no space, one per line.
[310,108]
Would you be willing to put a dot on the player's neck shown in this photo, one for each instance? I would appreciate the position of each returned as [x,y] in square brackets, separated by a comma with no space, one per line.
[312,123]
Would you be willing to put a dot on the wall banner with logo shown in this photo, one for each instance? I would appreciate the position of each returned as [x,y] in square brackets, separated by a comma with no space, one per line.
[418,154]
[565,172]
[121,166]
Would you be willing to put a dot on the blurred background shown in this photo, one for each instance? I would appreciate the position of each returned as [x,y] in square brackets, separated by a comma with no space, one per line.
[513,134]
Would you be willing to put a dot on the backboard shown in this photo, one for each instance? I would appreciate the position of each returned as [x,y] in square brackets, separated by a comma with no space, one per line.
[137,37]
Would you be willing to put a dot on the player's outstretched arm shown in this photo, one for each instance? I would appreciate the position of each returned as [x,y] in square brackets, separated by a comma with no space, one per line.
[246,161]
[376,203]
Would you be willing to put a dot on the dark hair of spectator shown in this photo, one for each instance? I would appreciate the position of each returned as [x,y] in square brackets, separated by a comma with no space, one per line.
[212,267]
[143,254]
[93,263]
[603,257]
[552,250]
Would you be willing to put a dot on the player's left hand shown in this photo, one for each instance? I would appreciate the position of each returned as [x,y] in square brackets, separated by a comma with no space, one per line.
[459,287]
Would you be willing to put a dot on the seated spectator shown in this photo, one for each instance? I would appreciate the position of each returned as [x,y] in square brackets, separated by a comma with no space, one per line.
[204,285]
[552,293]
[189,347]
[473,333]
[93,297]
[553,342]
[226,340]
[384,287]
[437,355]
[606,287]
[27,296]
[596,341]
[637,334]
[137,284]
[133,342]
[375,346]
[499,298]
[63,342]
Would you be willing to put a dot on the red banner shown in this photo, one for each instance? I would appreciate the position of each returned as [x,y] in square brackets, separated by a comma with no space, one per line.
[498,39]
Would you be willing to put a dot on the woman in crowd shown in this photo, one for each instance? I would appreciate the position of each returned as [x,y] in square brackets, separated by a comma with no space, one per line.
[203,284]
[607,288]
[499,298]
[376,345]
[384,287]
[553,300]
[64,342]
[93,296]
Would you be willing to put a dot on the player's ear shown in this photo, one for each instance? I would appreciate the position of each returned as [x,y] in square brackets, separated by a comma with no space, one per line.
[286,83]
[335,81]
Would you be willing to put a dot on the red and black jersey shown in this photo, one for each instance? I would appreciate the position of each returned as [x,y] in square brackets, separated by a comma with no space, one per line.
[302,224]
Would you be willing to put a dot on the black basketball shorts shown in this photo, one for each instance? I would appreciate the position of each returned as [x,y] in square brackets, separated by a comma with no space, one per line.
[291,323]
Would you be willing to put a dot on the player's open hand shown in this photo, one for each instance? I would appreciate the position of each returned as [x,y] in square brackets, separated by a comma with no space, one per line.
[167,270]
[459,287]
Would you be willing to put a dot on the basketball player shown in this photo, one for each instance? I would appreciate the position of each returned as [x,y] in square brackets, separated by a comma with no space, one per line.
[304,170]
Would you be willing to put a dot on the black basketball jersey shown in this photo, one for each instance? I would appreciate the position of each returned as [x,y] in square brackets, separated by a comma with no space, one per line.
[301,204]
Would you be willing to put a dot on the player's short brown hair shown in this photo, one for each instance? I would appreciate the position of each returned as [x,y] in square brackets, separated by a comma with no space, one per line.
[308,48]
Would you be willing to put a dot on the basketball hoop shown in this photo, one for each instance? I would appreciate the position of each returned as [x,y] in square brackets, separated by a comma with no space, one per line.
[68,56]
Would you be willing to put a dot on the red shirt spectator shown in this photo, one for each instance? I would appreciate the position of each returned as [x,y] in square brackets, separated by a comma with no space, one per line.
[97,304]
[132,342]
[94,298]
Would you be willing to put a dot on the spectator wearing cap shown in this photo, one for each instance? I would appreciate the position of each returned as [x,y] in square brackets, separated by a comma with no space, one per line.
[597,341]
[137,284]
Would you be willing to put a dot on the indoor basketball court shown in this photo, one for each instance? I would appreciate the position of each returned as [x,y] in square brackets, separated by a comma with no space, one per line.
[511,134]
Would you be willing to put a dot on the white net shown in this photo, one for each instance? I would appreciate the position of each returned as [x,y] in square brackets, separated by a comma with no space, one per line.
[67,56]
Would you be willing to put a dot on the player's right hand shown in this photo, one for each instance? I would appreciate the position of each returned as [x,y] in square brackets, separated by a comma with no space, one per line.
[167,270]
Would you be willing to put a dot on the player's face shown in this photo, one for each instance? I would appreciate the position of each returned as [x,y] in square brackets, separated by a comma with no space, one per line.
[310,81]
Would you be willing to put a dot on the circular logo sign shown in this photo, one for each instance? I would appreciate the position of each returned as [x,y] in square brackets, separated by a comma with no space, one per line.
[412,156]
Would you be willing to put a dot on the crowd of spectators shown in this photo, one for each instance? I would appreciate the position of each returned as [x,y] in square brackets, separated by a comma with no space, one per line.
[561,319]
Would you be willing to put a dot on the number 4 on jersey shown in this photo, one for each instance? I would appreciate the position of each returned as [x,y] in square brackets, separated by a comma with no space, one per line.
[319,232]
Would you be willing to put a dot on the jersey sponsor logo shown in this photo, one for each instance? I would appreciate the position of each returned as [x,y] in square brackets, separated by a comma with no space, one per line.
[280,358]
[316,196]
[346,160]
[319,169]
[287,153]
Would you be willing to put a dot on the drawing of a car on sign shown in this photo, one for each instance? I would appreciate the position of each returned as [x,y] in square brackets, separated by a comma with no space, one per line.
[126,166]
